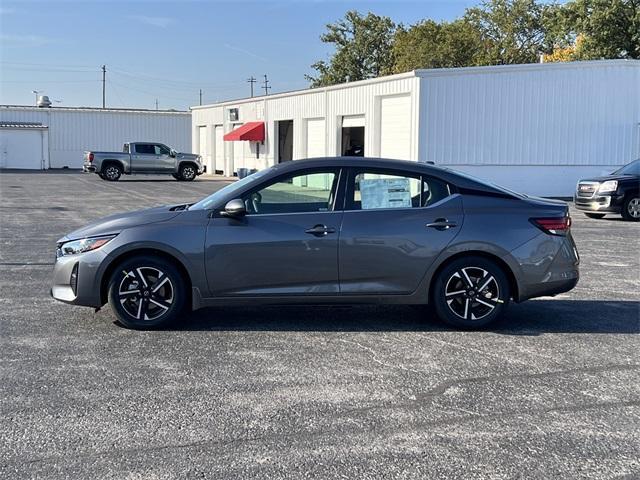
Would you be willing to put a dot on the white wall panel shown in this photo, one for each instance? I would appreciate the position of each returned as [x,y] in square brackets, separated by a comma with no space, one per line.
[395,127]
[315,138]
[72,131]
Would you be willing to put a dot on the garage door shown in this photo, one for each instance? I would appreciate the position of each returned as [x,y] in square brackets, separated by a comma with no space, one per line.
[24,148]
[315,138]
[219,148]
[395,127]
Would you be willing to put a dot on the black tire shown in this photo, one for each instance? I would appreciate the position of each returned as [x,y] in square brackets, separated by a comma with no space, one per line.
[631,208]
[176,176]
[111,172]
[595,215]
[147,293]
[188,172]
[474,305]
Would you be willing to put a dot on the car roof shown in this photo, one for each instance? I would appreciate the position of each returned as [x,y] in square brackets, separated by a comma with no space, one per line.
[450,176]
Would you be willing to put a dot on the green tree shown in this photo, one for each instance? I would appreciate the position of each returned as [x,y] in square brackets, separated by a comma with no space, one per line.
[430,44]
[362,49]
[513,31]
[608,28]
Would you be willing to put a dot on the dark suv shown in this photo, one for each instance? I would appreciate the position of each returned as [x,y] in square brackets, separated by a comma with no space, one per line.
[618,192]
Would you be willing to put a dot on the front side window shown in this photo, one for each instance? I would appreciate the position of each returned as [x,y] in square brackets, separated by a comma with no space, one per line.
[299,193]
[373,190]
[161,150]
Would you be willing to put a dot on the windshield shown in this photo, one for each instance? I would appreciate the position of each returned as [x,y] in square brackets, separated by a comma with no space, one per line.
[632,168]
[214,199]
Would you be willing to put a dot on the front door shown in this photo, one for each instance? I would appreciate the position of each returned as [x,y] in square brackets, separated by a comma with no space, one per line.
[394,226]
[151,157]
[287,244]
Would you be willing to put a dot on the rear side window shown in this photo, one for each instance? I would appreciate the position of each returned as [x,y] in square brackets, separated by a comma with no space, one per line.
[145,149]
[378,189]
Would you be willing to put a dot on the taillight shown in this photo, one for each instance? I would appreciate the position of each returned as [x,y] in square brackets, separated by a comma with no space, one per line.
[90,157]
[553,225]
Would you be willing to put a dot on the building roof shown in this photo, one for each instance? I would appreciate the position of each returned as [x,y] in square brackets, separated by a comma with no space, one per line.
[435,72]
[94,109]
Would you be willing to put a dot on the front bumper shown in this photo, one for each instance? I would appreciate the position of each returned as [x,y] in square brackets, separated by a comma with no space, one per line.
[84,288]
[202,169]
[600,203]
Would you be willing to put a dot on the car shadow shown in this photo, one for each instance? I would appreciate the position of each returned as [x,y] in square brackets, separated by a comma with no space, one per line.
[535,317]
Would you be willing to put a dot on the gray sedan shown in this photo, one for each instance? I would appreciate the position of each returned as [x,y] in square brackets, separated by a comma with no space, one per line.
[326,231]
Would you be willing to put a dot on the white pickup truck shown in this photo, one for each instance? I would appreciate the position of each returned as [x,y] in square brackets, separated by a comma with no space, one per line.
[144,158]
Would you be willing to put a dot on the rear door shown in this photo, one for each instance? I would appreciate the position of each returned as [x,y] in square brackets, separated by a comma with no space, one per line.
[143,158]
[394,226]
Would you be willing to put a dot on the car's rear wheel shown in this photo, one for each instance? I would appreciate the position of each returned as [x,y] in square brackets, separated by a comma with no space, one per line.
[112,172]
[188,173]
[595,215]
[146,293]
[631,208]
[470,292]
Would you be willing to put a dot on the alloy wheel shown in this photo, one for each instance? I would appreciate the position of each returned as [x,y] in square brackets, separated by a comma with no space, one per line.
[112,173]
[634,207]
[188,173]
[146,293]
[472,293]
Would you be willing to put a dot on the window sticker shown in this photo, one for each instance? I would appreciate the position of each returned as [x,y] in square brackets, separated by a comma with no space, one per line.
[385,193]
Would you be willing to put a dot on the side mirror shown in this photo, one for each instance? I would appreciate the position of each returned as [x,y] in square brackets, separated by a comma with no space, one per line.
[234,208]
[173,153]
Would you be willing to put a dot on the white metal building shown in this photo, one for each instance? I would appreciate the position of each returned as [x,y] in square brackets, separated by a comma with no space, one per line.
[536,128]
[41,138]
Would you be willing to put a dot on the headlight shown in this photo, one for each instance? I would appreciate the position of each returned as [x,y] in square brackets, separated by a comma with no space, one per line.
[83,245]
[608,186]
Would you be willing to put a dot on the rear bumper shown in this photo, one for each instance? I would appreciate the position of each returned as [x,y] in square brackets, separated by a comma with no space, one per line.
[88,168]
[600,203]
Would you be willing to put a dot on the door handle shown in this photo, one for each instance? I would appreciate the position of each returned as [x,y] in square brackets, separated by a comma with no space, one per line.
[442,224]
[320,230]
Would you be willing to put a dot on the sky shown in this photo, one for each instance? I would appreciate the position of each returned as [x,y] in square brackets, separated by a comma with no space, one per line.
[169,50]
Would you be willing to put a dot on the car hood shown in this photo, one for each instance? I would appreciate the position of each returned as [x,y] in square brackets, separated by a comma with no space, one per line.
[187,156]
[116,223]
[606,178]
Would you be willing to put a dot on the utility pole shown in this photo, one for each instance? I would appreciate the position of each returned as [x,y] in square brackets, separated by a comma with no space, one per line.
[200,96]
[265,85]
[156,104]
[104,73]
[251,81]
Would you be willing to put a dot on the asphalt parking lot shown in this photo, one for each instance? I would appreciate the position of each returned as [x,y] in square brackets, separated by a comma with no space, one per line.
[553,391]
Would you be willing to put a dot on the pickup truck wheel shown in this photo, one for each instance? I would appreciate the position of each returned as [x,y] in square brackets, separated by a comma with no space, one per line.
[188,173]
[176,176]
[631,208]
[595,215]
[112,173]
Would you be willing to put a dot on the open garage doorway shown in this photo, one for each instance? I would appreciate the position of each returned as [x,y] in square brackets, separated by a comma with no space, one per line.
[352,138]
[285,141]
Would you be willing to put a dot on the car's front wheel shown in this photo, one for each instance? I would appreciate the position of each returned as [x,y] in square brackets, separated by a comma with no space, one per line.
[188,173]
[470,292]
[595,215]
[631,208]
[146,293]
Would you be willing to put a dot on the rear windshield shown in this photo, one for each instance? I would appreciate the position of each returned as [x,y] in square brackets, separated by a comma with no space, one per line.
[487,184]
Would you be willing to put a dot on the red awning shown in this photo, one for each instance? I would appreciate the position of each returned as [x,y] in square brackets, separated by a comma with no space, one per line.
[251,131]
